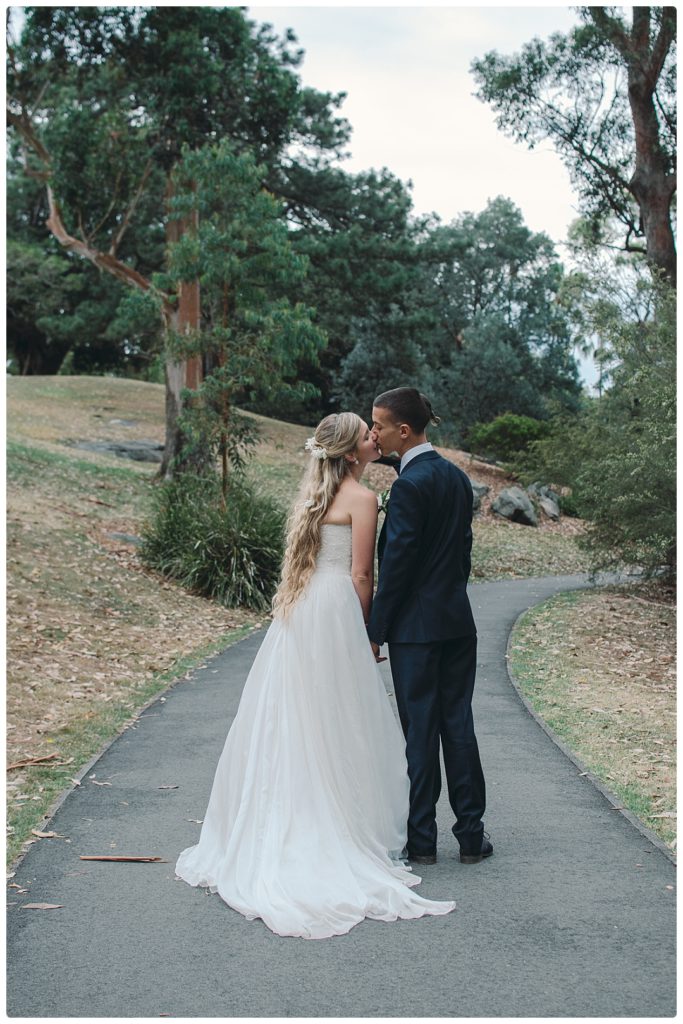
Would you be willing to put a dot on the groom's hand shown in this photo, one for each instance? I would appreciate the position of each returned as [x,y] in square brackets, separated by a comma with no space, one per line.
[375,651]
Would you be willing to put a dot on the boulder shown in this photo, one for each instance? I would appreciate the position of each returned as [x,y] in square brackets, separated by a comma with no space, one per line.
[125,538]
[539,490]
[514,504]
[140,451]
[549,507]
[478,492]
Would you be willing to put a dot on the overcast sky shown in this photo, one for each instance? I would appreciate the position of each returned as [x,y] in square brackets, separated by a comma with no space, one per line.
[406,73]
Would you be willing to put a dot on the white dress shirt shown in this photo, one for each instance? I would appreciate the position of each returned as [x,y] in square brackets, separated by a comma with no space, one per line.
[412,452]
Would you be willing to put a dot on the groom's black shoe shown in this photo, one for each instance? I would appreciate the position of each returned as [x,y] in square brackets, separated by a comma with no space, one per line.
[422,858]
[475,858]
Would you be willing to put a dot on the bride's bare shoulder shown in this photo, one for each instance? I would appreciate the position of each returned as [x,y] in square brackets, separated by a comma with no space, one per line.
[360,495]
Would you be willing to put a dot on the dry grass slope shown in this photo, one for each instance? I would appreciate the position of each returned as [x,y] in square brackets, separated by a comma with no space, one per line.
[599,667]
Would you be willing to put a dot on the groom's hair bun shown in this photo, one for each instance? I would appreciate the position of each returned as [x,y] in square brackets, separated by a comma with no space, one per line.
[408,405]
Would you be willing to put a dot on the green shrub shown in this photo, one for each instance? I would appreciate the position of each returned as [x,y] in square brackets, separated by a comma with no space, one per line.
[568,506]
[619,454]
[506,436]
[232,554]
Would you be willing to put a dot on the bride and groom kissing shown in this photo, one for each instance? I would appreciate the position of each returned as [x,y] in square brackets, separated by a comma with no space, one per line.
[321,801]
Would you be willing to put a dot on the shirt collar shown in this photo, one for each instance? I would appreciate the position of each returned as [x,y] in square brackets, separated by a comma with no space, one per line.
[412,452]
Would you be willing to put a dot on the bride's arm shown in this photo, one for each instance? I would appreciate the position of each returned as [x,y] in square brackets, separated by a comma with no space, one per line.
[364,514]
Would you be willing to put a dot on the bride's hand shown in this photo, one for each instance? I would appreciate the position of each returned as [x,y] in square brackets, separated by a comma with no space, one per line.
[375,651]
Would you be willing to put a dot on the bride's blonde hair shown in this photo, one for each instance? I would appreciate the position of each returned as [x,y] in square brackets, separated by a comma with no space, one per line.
[335,436]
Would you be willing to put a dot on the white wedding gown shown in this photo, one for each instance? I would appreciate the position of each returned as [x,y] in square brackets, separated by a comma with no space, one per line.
[310,797]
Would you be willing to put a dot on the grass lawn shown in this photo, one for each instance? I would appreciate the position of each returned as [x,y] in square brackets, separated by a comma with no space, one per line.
[599,667]
[92,635]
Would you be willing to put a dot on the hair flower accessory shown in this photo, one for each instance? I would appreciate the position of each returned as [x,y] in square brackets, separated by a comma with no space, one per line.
[316,450]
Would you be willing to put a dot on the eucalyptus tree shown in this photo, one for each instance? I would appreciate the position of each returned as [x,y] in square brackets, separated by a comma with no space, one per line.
[605,96]
[102,101]
[251,336]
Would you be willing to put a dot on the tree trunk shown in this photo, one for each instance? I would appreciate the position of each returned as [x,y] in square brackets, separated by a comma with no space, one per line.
[652,186]
[180,374]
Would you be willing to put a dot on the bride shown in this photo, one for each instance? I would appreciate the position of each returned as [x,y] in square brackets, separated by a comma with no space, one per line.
[307,816]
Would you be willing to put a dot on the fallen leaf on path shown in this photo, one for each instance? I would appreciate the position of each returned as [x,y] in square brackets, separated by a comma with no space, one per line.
[158,860]
[42,906]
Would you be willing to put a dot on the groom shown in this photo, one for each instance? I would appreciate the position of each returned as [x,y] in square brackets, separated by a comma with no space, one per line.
[421,608]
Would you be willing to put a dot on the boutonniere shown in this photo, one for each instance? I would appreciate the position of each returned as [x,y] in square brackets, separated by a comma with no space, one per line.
[383,501]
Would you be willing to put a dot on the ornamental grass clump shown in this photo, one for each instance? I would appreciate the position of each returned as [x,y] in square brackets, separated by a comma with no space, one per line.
[230,551]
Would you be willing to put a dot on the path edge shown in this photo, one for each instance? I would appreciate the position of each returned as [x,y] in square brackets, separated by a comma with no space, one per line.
[607,793]
[12,868]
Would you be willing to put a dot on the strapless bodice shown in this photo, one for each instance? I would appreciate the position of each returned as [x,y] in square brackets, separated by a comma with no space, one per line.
[335,549]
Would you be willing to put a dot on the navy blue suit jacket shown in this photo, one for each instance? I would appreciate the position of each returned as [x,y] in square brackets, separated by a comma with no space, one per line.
[425,556]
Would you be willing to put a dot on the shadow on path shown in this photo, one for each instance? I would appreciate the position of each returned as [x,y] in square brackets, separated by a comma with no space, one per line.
[573,915]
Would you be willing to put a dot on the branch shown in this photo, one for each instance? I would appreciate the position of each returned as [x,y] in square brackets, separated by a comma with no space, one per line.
[612,28]
[55,222]
[628,247]
[100,259]
[98,227]
[666,117]
[667,34]
[131,209]
[569,138]
[25,129]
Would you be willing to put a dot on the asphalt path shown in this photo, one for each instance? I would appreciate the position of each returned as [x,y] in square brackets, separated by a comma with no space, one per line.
[573,916]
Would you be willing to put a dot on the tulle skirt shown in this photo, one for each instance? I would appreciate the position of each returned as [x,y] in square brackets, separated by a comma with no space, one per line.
[307,815]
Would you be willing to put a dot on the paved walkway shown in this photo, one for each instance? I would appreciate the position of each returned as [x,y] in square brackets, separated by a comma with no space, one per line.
[572,916]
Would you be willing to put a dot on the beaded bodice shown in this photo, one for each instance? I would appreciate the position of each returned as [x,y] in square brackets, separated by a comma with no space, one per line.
[335,549]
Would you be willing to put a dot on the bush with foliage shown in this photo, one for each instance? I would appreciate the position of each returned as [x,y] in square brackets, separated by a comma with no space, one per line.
[506,436]
[619,454]
[230,551]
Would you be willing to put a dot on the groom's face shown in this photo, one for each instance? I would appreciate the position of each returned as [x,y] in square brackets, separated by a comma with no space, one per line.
[390,436]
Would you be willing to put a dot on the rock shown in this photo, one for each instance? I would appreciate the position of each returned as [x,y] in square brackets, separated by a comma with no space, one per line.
[125,538]
[539,490]
[550,507]
[478,492]
[140,451]
[514,504]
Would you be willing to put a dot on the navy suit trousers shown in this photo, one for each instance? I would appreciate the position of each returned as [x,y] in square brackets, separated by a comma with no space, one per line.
[434,684]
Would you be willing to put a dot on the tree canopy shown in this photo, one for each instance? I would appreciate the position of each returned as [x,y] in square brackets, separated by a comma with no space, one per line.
[605,96]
